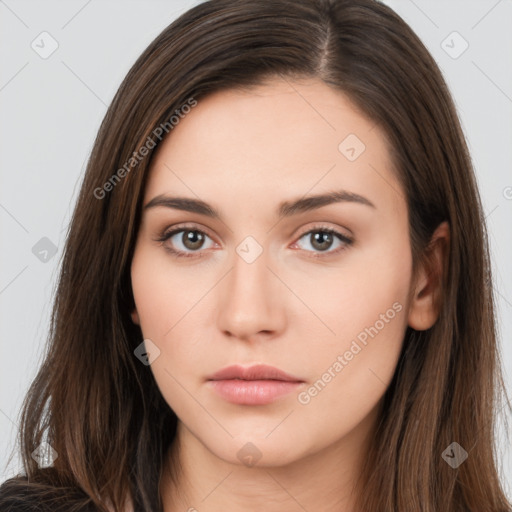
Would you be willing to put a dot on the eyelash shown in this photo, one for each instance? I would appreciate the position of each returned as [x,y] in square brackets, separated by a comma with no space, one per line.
[166,235]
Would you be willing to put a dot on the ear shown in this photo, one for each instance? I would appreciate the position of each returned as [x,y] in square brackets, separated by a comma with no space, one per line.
[135,316]
[429,282]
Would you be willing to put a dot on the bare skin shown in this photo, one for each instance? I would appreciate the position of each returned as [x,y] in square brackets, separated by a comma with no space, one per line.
[299,306]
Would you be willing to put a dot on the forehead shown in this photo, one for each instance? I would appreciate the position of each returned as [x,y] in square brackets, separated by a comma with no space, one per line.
[274,141]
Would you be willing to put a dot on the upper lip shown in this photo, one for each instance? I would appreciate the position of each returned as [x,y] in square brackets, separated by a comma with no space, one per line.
[256,372]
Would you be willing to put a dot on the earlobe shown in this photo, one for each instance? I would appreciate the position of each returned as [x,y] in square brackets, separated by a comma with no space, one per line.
[429,284]
[135,316]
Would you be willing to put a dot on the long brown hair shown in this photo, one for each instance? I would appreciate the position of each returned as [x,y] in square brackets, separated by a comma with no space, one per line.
[99,407]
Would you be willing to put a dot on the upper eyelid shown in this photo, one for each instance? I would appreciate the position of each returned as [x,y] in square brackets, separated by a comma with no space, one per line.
[194,227]
[176,229]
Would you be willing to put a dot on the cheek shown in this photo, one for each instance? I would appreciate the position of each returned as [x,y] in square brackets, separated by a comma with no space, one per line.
[170,304]
[351,296]
[165,307]
[163,295]
[348,377]
[367,310]
[344,397]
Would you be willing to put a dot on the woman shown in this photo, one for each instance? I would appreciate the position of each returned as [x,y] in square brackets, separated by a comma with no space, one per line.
[276,290]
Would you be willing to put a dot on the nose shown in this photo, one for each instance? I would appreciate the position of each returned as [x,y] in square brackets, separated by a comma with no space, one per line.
[251,302]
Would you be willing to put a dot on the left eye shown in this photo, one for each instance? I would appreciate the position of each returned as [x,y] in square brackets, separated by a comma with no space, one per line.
[192,241]
[323,239]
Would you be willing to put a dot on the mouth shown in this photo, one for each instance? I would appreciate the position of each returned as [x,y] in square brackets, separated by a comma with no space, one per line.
[254,385]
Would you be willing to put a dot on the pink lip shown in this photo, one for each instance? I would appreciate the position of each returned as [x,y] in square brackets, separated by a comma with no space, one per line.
[255,385]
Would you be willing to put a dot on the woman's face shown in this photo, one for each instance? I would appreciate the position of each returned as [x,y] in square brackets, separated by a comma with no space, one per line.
[264,282]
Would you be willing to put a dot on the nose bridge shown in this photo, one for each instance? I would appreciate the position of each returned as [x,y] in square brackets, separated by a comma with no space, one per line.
[249,296]
[250,265]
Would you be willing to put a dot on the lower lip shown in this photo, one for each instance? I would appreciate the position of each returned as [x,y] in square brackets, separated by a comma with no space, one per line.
[253,392]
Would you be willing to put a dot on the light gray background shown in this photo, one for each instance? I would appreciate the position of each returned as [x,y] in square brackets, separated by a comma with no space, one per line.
[50,110]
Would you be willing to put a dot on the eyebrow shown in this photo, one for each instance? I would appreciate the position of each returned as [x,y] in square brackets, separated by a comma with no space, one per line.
[285,209]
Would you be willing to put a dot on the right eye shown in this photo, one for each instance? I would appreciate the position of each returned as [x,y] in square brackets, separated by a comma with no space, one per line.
[185,242]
